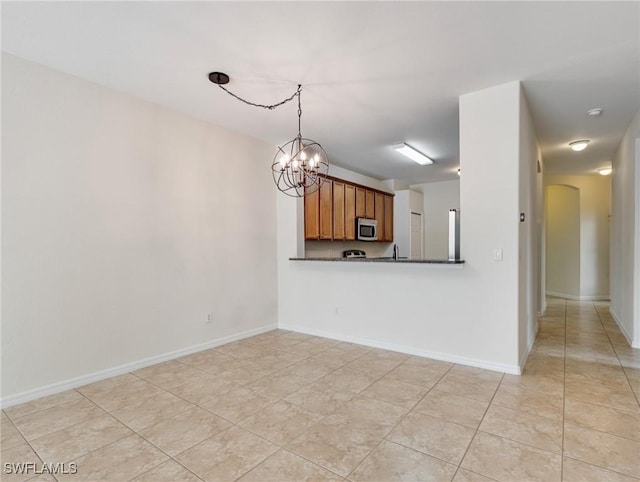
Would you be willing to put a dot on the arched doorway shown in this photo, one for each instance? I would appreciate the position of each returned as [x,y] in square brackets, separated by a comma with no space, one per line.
[563,241]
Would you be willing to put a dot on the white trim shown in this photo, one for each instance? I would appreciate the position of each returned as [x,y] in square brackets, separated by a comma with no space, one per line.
[543,306]
[636,251]
[579,298]
[498,367]
[57,387]
[622,328]
[532,340]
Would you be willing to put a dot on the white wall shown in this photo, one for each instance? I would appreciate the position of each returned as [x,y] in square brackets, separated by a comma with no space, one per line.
[439,198]
[625,232]
[469,315]
[595,208]
[563,241]
[540,236]
[123,225]
[528,254]
[405,202]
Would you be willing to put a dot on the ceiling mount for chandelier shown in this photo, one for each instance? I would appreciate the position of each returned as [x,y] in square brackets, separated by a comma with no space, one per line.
[301,165]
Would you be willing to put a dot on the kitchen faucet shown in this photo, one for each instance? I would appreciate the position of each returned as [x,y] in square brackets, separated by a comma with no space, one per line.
[396,252]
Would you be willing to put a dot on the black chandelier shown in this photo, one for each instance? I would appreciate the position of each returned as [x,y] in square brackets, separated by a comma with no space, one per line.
[301,165]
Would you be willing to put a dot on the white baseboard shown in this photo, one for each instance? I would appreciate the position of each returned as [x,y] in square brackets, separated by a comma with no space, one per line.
[531,342]
[579,298]
[623,329]
[58,387]
[498,367]
[543,306]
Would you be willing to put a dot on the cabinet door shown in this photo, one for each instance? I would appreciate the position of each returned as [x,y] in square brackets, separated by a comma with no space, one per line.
[379,214]
[349,212]
[360,202]
[326,210]
[369,204]
[338,210]
[311,215]
[388,218]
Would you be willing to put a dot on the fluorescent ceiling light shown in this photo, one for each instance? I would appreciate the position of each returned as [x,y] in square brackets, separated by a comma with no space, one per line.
[579,145]
[605,171]
[412,154]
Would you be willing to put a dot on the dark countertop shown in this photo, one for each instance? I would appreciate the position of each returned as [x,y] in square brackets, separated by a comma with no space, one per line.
[383,260]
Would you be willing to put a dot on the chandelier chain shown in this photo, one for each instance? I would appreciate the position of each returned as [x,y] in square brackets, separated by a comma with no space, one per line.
[267,106]
[299,109]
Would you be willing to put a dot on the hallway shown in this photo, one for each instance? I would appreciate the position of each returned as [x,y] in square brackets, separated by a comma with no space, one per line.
[582,363]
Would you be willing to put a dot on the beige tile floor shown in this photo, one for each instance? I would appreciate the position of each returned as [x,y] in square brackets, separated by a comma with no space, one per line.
[284,406]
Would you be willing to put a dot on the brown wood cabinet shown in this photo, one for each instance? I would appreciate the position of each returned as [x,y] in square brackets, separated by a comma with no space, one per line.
[312,215]
[349,212]
[338,211]
[379,213]
[369,204]
[360,202]
[387,234]
[326,210]
[330,212]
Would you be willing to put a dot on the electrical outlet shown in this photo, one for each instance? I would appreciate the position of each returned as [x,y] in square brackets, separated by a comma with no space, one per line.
[497,254]
[337,311]
[209,318]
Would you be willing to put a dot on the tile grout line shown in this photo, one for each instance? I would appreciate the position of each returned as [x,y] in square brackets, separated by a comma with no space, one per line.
[401,419]
[622,367]
[564,390]
[607,469]
[246,385]
[479,424]
[28,442]
[320,419]
[280,447]
[136,433]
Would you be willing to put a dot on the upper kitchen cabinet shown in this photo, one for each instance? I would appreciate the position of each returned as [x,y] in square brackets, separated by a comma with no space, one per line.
[384,216]
[338,210]
[369,204]
[312,215]
[387,235]
[360,202]
[350,212]
[379,213]
[326,210]
[330,212]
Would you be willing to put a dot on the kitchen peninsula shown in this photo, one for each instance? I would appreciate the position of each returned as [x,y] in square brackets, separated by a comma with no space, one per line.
[458,262]
[345,221]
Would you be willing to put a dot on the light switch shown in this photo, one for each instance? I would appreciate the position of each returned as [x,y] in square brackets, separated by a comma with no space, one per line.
[497,254]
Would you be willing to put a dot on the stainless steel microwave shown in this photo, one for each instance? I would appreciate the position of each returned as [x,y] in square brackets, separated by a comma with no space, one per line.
[366,229]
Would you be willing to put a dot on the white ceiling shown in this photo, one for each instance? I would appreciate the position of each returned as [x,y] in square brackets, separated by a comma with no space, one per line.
[373,73]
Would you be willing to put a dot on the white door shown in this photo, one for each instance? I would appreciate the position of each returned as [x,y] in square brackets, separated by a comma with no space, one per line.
[416,236]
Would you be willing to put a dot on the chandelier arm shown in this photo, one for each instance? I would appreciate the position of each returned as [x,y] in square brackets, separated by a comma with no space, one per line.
[266,106]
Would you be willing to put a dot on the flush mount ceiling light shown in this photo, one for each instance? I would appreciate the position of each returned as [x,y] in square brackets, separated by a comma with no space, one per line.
[412,154]
[580,145]
[594,112]
[301,165]
[605,171]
